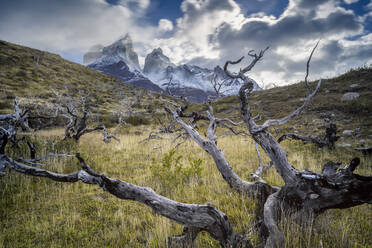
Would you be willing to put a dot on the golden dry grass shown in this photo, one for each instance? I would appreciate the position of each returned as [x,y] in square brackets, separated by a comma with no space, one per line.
[37,212]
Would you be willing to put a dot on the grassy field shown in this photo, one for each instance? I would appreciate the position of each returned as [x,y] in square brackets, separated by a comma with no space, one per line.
[37,212]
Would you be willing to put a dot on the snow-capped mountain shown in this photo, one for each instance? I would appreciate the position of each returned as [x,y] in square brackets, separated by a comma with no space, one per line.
[159,69]
[159,74]
[121,61]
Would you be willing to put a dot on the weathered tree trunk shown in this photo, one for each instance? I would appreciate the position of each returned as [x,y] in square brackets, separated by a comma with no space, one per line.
[308,192]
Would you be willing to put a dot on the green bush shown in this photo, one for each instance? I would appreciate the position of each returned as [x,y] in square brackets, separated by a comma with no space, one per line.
[170,172]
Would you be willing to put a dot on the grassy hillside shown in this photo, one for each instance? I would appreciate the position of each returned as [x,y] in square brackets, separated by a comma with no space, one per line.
[21,77]
[325,107]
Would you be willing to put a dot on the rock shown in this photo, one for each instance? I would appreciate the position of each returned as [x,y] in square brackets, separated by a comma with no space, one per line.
[347,132]
[354,85]
[349,96]
[326,120]
[344,145]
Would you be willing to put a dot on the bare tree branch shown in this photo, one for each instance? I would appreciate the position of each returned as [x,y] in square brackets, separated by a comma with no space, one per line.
[252,189]
[285,119]
[307,69]
[194,217]
[257,176]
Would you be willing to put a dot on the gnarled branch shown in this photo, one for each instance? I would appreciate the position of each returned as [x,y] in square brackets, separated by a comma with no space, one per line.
[194,217]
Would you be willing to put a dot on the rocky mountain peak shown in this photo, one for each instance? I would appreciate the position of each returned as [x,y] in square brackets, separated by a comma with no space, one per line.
[125,43]
[156,61]
[120,50]
[157,51]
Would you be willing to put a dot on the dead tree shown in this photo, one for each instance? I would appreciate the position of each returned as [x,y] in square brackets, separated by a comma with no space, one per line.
[193,217]
[305,192]
[11,123]
[78,113]
[195,117]
[167,127]
[170,86]
[218,85]
[329,138]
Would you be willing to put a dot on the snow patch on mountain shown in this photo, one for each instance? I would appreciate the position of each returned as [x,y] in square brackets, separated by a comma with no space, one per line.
[159,69]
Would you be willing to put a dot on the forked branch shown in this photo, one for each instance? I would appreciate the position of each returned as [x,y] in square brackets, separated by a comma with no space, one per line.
[252,189]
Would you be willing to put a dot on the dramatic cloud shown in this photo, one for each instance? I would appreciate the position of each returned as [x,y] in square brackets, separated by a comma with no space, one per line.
[206,33]
[165,25]
[291,36]
[200,19]
[71,25]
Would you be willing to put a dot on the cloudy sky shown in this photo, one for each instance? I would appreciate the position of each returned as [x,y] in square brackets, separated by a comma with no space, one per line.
[203,32]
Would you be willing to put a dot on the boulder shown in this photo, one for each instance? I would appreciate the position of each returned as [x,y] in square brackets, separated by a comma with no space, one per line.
[347,132]
[349,96]
[344,145]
